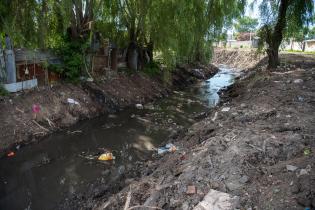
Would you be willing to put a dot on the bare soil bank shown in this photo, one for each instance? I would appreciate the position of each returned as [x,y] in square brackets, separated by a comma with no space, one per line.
[18,123]
[260,148]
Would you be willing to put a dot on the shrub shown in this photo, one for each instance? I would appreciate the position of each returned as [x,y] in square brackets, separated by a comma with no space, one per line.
[3,91]
[152,69]
[72,54]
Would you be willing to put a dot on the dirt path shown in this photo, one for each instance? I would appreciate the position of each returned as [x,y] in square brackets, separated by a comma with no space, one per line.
[257,146]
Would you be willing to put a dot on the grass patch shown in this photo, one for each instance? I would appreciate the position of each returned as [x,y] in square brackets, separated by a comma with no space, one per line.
[300,52]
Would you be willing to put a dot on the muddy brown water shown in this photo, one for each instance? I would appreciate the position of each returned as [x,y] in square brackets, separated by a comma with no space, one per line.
[41,175]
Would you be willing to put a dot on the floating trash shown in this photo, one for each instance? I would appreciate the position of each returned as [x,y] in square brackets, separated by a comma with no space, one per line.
[106,156]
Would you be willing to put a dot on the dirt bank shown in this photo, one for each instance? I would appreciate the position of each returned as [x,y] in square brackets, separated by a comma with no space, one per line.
[28,117]
[257,146]
[239,59]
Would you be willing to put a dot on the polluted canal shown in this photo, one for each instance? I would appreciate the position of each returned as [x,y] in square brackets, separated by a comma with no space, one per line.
[40,176]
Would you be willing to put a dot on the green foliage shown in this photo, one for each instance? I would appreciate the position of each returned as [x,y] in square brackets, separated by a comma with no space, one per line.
[311,33]
[152,69]
[179,31]
[3,91]
[246,24]
[72,53]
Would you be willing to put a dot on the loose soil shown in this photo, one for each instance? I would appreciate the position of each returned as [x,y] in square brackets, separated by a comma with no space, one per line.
[257,145]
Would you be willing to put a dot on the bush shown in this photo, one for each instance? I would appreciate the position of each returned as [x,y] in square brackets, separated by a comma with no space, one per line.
[72,54]
[3,91]
[152,69]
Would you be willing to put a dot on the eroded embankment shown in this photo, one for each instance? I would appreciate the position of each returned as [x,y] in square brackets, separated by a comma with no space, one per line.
[239,59]
[54,110]
[257,146]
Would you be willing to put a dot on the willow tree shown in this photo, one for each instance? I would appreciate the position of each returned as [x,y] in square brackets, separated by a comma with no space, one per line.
[278,17]
[180,30]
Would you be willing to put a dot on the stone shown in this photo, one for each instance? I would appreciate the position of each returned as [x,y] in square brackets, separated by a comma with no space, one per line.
[303,172]
[295,189]
[244,179]
[219,201]
[231,186]
[225,109]
[297,81]
[139,106]
[291,168]
[191,189]
[185,206]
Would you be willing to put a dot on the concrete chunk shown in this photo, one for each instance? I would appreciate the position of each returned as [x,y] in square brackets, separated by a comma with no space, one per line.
[216,200]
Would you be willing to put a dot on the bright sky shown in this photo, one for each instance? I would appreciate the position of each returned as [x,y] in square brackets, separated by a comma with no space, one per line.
[253,13]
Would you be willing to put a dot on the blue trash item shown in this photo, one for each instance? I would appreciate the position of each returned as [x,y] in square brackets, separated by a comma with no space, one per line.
[167,148]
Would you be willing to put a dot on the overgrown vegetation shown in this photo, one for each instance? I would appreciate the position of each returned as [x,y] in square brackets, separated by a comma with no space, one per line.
[181,31]
[72,54]
[152,69]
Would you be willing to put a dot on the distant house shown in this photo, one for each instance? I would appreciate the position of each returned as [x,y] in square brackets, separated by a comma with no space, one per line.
[243,40]
[310,45]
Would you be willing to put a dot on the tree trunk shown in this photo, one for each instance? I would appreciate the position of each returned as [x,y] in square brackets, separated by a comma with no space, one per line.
[273,57]
[303,46]
[150,50]
[276,37]
[43,25]
[132,56]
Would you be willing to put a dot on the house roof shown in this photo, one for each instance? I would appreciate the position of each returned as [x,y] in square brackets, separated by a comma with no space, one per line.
[23,56]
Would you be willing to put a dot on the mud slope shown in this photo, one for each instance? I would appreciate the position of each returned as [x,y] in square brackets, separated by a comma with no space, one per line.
[240,59]
[260,148]
[19,125]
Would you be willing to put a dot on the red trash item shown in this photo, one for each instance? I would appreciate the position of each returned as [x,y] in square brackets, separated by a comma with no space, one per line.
[36,108]
[11,154]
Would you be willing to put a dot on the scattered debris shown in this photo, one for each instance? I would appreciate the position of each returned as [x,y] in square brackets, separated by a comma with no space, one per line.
[214,117]
[303,172]
[219,201]
[167,148]
[244,179]
[307,151]
[225,109]
[106,156]
[297,81]
[42,127]
[74,132]
[36,108]
[72,101]
[10,154]
[291,168]
[191,189]
[139,106]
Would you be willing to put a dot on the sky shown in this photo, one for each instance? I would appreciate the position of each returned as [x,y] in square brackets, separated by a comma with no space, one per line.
[253,13]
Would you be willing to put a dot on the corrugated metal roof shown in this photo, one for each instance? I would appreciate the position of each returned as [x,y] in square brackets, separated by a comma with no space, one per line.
[34,56]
